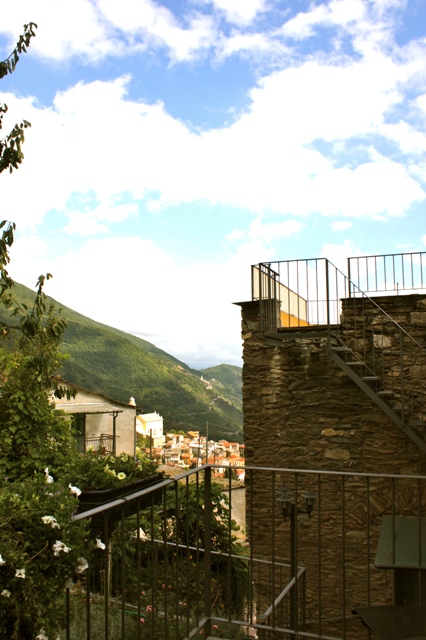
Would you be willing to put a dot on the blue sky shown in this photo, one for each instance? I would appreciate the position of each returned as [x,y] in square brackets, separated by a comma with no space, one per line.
[173,144]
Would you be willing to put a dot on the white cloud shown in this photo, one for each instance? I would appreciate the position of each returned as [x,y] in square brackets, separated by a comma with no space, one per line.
[152,24]
[269,159]
[255,45]
[99,29]
[409,139]
[65,29]
[91,222]
[241,12]
[336,12]
[339,253]
[95,30]
[268,232]
[341,225]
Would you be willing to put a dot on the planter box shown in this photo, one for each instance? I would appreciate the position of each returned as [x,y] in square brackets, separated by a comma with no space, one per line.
[91,499]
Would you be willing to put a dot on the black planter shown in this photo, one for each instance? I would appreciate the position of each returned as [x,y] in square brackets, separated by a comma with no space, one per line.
[91,499]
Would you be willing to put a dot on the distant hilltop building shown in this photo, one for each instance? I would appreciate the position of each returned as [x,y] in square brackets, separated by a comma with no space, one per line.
[150,425]
[206,382]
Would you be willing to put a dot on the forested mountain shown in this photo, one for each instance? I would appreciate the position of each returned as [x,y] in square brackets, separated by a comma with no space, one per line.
[120,365]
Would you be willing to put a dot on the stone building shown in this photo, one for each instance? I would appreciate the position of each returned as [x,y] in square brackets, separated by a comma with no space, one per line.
[334,381]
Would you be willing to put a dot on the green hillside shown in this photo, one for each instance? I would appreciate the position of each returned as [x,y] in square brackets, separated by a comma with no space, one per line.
[228,377]
[119,365]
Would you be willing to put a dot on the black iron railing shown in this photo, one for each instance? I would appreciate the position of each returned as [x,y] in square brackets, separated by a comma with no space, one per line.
[172,568]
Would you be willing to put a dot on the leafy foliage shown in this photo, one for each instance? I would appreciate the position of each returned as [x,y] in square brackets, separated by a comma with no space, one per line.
[40,551]
[93,470]
[32,435]
[11,154]
[35,562]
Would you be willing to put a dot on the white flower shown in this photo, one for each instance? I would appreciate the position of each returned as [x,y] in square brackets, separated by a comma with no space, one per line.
[99,544]
[52,521]
[75,490]
[5,593]
[58,547]
[49,479]
[121,475]
[2,561]
[42,635]
[82,565]
[20,573]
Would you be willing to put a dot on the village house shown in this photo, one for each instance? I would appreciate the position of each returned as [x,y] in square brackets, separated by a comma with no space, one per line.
[99,422]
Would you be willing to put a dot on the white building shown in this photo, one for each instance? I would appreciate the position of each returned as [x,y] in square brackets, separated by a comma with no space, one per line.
[150,425]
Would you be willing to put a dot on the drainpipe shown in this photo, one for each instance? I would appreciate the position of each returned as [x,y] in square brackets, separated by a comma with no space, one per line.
[114,433]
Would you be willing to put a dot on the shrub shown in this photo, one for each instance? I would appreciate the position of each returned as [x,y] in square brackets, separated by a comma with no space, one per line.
[40,552]
[94,470]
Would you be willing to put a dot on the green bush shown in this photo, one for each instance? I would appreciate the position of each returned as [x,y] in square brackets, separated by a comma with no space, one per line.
[40,552]
[94,470]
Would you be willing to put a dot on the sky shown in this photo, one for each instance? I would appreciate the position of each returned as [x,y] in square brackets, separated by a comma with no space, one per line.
[175,143]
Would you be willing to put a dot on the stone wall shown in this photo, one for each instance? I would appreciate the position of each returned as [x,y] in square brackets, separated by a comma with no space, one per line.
[301,411]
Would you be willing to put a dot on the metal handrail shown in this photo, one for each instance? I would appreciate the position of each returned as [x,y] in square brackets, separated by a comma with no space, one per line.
[320,617]
[263,617]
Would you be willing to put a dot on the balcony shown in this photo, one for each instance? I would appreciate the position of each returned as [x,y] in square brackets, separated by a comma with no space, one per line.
[103,443]
[178,569]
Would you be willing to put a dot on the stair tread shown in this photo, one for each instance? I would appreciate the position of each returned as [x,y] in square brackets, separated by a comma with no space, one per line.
[340,348]
[369,378]
[385,392]
[356,362]
[413,422]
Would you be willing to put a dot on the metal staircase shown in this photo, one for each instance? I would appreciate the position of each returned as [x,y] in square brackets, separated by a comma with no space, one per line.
[384,360]
[390,400]
[377,353]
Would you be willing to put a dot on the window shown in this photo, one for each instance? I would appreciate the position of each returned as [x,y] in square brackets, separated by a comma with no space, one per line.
[79,431]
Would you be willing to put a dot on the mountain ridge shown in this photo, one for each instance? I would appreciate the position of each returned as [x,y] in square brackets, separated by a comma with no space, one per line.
[119,365]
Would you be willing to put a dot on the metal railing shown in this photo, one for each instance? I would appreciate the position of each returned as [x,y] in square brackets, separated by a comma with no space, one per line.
[388,273]
[104,442]
[298,293]
[174,566]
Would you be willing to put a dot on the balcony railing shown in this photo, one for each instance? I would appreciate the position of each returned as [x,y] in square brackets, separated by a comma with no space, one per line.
[103,443]
[176,568]
[309,291]
[390,273]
